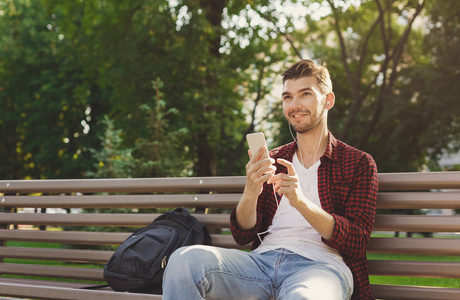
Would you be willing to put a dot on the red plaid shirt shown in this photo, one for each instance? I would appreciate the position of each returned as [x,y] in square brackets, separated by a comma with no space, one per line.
[347,185]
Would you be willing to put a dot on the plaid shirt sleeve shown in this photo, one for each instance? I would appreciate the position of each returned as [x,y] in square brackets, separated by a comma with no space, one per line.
[348,185]
[355,220]
[266,208]
[266,204]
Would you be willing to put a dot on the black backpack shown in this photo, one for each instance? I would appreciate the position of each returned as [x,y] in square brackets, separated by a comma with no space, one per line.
[138,264]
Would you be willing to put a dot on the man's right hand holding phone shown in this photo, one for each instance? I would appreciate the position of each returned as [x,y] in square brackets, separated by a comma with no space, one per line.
[259,169]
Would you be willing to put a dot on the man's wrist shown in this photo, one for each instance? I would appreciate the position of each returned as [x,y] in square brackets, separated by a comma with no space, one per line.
[250,194]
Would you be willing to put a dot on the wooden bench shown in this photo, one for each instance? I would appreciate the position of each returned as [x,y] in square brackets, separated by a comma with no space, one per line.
[217,195]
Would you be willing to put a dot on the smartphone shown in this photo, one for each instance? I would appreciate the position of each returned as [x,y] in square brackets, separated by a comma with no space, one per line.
[255,142]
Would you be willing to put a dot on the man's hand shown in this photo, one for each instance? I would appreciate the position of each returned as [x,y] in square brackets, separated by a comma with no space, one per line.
[258,171]
[288,184]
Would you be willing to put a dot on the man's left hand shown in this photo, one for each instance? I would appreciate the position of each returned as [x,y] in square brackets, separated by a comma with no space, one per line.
[287,184]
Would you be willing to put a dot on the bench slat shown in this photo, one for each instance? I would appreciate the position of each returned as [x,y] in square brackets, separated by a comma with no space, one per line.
[388,200]
[387,181]
[127,219]
[399,292]
[123,201]
[433,269]
[425,246]
[93,238]
[415,223]
[418,200]
[125,185]
[421,246]
[44,282]
[52,271]
[68,255]
[65,237]
[376,267]
[53,292]
[419,181]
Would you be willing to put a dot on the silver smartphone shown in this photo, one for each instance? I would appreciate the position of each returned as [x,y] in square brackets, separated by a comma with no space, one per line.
[255,142]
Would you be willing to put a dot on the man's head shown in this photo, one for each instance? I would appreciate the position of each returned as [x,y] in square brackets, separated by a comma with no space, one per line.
[307,96]
[306,68]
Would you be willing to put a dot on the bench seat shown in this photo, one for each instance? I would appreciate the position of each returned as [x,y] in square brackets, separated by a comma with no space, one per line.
[60,261]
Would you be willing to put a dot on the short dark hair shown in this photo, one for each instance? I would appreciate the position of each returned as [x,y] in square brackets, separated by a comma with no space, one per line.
[306,68]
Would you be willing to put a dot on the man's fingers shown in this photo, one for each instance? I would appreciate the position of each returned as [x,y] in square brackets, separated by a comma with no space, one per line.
[283,177]
[288,165]
[284,187]
[260,153]
[283,181]
[261,171]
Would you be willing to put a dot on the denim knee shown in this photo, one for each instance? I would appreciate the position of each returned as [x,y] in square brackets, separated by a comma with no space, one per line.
[181,261]
[183,270]
[189,261]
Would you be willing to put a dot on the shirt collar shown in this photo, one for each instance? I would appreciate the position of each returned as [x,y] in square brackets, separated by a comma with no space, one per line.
[330,148]
[330,152]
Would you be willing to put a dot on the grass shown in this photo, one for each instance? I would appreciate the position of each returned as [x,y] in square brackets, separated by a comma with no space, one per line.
[415,281]
[47,262]
[43,245]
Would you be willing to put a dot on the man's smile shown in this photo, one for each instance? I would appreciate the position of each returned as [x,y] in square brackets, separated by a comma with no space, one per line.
[297,115]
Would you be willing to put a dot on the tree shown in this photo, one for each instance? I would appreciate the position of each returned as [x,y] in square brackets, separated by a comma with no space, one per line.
[380,69]
[430,92]
[43,97]
[66,66]
[113,160]
[205,60]
[162,154]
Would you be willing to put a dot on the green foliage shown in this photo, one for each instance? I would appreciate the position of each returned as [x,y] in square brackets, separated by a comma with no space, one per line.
[160,155]
[392,65]
[43,97]
[113,159]
[421,118]
[207,70]
[65,66]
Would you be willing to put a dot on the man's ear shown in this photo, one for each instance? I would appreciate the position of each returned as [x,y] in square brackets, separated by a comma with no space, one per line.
[330,100]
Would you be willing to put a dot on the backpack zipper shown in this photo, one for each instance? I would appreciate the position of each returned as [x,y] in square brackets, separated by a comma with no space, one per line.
[164,261]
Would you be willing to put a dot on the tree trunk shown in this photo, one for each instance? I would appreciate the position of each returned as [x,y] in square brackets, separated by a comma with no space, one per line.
[206,164]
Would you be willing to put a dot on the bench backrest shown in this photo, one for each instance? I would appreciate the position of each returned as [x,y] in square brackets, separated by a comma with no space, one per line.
[24,203]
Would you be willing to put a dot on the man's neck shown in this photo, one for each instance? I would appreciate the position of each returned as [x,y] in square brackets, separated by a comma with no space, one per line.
[312,145]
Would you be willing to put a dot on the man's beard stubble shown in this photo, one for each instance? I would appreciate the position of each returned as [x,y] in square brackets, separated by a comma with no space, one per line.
[307,127]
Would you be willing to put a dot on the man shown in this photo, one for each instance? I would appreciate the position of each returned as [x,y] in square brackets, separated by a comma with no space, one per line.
[308,211]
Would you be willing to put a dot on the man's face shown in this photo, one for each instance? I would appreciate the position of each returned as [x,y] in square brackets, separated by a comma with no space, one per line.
[303,103]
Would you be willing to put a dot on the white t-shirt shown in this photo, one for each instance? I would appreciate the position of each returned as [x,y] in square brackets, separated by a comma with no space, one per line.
[291,231]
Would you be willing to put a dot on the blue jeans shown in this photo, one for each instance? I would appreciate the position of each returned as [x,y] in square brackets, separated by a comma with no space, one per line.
[205,272]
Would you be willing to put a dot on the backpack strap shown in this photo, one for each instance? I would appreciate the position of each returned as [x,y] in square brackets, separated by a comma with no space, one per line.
[93,287]
[183,211]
